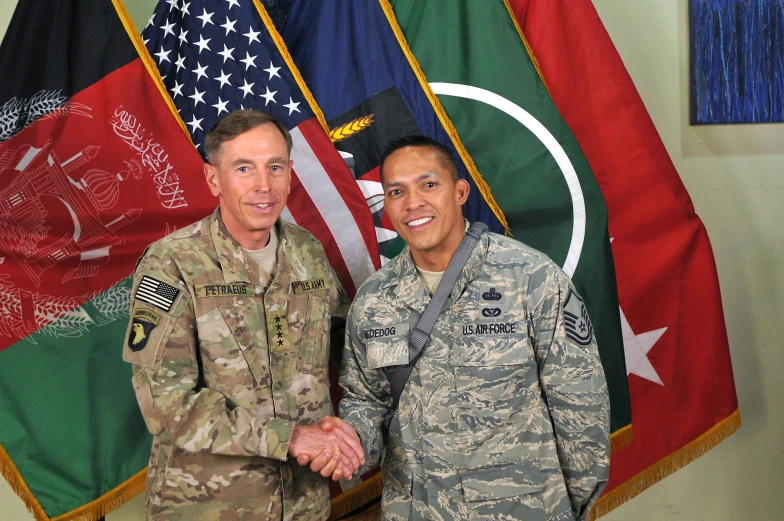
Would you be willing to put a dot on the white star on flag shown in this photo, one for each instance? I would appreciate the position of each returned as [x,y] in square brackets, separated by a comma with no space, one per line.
[252,36]
[172,4]
[232,3]
[180,62]
[229,26]
[206,18]
[292,106]
[200,71]
[182,36]
[177,90]
[197,97]
[269,96]
[246,89]
[185,8]
[226,53]
[248,60]
[195,123]
[273,71]
[636,348]
[163,55]
[202,43]
[167,28]
[223,79]
[221,106]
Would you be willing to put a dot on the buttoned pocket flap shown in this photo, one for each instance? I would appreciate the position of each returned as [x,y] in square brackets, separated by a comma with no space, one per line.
[501,481]
[242,336]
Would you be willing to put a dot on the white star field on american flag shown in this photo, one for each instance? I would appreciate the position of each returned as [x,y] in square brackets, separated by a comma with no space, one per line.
[217,56]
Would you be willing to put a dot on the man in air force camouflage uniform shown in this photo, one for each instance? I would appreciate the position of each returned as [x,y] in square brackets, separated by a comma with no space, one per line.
[506,414]
[229,346]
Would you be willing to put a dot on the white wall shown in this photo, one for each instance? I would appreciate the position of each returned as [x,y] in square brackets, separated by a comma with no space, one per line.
[735,176]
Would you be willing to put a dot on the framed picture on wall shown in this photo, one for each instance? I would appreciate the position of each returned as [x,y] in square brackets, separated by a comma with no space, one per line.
[737,61]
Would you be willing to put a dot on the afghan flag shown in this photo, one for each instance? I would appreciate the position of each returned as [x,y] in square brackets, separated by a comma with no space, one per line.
[677,354]
[460,73]
[94,166]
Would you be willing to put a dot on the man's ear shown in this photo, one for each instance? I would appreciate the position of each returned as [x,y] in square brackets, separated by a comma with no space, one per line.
[213,179]
[462,188]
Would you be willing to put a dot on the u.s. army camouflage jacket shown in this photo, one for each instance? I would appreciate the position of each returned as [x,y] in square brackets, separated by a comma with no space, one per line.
[226,360]
[505,415]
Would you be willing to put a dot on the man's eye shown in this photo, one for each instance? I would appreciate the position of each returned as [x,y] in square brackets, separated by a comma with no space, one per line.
[243,169]
[275,168]
[430,184]
[395,192]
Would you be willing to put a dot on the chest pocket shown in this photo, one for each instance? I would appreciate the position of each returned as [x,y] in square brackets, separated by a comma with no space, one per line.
[314,343]
[495,372]
[229,360]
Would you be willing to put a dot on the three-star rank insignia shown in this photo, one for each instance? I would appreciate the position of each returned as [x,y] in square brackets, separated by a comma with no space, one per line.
[144,321]
[278,331]
[576,322]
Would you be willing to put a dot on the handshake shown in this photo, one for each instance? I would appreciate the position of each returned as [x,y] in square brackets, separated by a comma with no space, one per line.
[331,446]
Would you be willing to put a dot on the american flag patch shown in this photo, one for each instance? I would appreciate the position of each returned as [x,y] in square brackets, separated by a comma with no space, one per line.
[156,293]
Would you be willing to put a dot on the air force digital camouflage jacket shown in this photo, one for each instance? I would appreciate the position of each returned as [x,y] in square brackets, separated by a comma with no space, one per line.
[226,360]
[506,414]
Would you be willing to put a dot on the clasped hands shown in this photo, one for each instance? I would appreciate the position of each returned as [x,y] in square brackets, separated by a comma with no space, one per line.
[331,446]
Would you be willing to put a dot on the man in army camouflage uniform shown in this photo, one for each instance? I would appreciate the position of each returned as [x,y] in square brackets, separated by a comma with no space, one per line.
[506,413]
[229,333]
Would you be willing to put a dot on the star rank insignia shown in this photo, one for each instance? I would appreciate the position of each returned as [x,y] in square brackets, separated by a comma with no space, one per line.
[278,331]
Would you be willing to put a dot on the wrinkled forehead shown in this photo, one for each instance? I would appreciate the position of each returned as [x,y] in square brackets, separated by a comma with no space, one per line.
[414,163]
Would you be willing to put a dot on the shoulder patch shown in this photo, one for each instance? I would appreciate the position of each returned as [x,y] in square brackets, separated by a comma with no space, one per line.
[143,322]
[576,322]
[156,293]
[304,286]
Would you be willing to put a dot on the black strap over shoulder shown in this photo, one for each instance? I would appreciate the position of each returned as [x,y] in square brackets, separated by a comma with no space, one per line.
[419,337]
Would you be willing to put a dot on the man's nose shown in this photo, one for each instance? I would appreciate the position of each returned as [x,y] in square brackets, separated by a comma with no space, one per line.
[261,181]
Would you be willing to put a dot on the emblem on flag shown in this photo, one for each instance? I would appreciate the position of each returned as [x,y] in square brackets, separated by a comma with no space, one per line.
[578,326]
[156,293]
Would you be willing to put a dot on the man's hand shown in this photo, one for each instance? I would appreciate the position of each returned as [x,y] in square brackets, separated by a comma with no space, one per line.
[332,451]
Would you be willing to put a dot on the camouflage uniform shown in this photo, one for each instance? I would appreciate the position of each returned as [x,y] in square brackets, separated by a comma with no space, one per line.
[220,403]
[506,414]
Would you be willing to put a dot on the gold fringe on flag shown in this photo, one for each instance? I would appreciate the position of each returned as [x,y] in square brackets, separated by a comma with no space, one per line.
[18,485]
[666,466]
[527,47]
[450,129]
[357,497]
[92,511]
[148,62]
[621,438]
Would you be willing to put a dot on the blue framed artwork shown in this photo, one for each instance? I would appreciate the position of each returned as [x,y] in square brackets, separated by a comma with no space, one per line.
[737,61]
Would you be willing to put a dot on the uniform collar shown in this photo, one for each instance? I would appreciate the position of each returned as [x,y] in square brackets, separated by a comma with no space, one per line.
[237,267]
[408,286]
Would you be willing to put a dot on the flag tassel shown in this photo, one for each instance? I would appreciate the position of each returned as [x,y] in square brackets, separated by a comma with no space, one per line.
[664,467]
[621,438]
[18,485]
[92,511]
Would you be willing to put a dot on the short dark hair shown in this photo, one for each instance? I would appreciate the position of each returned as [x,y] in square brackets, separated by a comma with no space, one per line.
[444,154]
[238,122]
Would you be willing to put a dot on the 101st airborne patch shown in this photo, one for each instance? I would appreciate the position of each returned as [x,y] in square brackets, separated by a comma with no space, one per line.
[144,321]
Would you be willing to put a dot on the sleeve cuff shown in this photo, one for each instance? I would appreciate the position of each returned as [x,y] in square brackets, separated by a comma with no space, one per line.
[275,439]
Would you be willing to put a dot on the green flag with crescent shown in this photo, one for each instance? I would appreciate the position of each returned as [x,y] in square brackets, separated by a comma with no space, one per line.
[475,59]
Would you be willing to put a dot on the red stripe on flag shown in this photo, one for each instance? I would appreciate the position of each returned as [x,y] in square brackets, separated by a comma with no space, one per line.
[346,185]
[305,213]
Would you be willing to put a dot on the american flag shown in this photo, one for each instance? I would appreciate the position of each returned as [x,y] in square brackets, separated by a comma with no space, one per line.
[216,56]
[156,293]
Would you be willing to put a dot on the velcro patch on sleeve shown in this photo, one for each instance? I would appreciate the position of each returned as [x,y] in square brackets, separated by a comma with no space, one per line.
[303,286]
[156,293]
[223,290]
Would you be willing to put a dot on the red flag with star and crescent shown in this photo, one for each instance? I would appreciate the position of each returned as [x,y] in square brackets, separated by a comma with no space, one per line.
[675,341]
